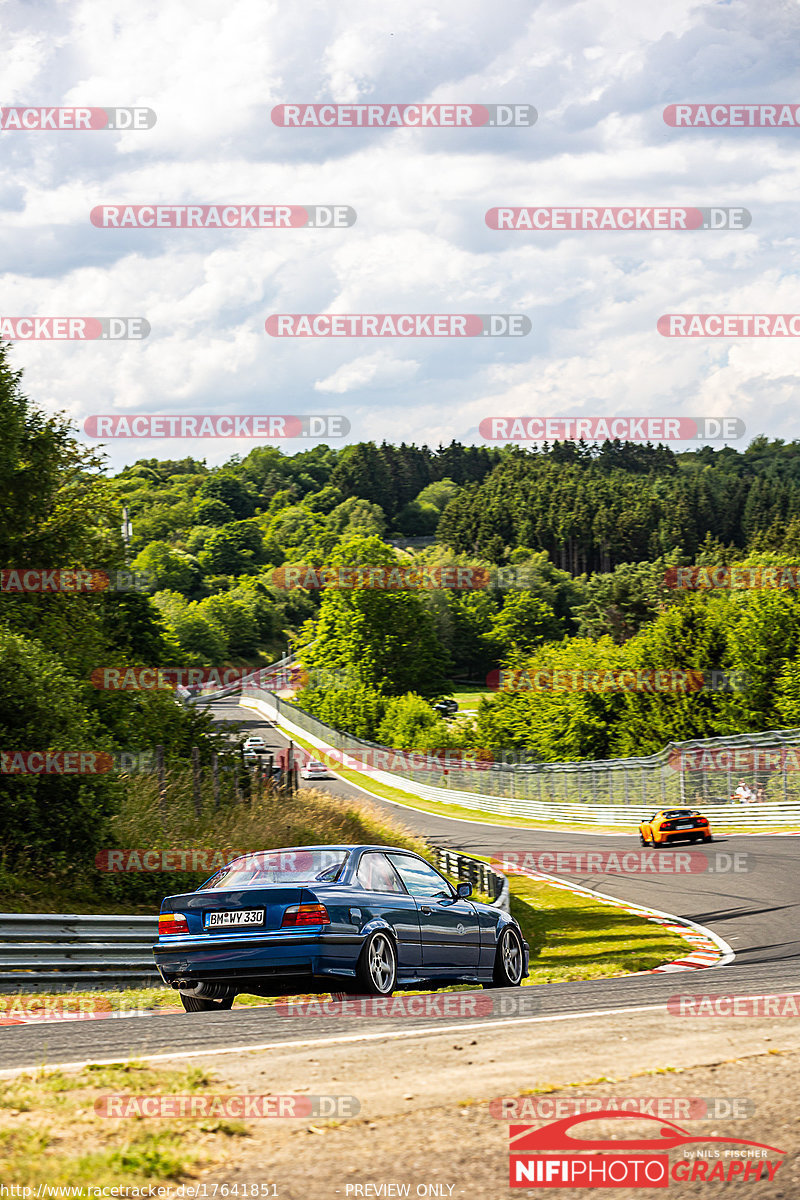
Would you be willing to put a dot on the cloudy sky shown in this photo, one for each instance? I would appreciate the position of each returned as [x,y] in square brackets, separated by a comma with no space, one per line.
[599,74]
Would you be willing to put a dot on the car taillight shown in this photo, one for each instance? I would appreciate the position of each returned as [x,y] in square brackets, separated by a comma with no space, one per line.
[668,825]
[172,923]
[306,914]
[701,821]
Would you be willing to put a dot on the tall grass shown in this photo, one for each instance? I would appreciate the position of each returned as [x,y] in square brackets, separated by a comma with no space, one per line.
[264,819]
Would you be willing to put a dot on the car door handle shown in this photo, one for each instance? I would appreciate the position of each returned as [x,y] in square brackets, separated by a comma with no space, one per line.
[426,908]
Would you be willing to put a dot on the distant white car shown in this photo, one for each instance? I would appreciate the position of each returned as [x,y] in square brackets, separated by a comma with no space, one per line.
[314,770]
[255,743]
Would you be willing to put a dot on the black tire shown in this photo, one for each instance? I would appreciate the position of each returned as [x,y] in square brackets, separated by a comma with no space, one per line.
[376,973]
[509,960]
[643,840]
[205,1004]
[708,838]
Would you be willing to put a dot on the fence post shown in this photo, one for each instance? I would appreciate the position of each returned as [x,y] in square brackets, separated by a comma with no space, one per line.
[215,777]
[290,767]
[682,776]
[162,781]
[196,781]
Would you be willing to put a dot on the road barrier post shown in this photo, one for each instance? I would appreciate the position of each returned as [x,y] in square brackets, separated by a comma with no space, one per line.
[162,781]
[215,777]
[197,781]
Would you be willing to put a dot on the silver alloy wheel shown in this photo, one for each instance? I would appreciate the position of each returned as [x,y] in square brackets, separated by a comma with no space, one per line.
[381,962]
[512,956]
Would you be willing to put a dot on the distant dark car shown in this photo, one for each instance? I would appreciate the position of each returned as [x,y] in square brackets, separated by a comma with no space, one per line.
[446,707]
[367,919]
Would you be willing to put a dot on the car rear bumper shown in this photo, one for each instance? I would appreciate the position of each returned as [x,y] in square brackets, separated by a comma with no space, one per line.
[281,954]
[667,837]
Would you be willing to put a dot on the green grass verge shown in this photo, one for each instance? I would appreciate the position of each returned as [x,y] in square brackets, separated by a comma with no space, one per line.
[50,1133]
[575,937]
[468,695]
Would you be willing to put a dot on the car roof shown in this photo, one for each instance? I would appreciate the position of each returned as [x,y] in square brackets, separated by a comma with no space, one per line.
[332,846]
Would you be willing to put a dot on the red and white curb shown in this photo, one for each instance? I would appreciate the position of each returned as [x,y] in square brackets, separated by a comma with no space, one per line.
[709,950]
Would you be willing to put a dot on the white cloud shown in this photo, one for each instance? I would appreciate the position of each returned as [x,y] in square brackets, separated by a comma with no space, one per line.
[599,72]
[379,370]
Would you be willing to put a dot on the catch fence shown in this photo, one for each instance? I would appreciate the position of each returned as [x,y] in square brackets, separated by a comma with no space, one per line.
[703,772]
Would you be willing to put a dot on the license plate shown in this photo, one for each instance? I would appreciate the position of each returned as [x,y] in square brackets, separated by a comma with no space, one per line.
[685,825]
[228,918]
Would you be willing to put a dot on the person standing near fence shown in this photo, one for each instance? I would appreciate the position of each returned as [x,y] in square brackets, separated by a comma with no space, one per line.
[743,793]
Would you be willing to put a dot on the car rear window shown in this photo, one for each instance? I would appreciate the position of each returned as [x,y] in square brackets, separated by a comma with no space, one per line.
[265,867]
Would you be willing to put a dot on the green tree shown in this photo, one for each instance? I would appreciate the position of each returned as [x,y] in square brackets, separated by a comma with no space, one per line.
[228,488]
[523,623]
[235,549]
[170,569]
[385,639]
[55,817]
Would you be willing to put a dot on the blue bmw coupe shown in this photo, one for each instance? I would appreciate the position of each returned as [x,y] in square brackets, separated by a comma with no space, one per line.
[367,919]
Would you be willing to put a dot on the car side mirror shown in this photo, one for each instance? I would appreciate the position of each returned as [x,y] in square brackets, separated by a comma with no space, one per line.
[464,891]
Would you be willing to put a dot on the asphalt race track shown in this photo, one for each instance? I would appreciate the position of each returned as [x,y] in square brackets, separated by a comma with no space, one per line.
[757,912]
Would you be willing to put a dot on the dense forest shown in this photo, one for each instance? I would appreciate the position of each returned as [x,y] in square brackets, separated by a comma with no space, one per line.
[592,531]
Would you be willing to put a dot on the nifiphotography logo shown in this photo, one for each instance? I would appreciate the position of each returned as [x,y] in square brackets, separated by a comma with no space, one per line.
[553,1157]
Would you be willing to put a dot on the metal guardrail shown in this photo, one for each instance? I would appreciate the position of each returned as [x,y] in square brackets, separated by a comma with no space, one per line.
[233,688]
[471,870]
[49,951]
[604,792]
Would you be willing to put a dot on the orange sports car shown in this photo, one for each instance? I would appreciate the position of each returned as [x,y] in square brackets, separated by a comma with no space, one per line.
[674,825]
